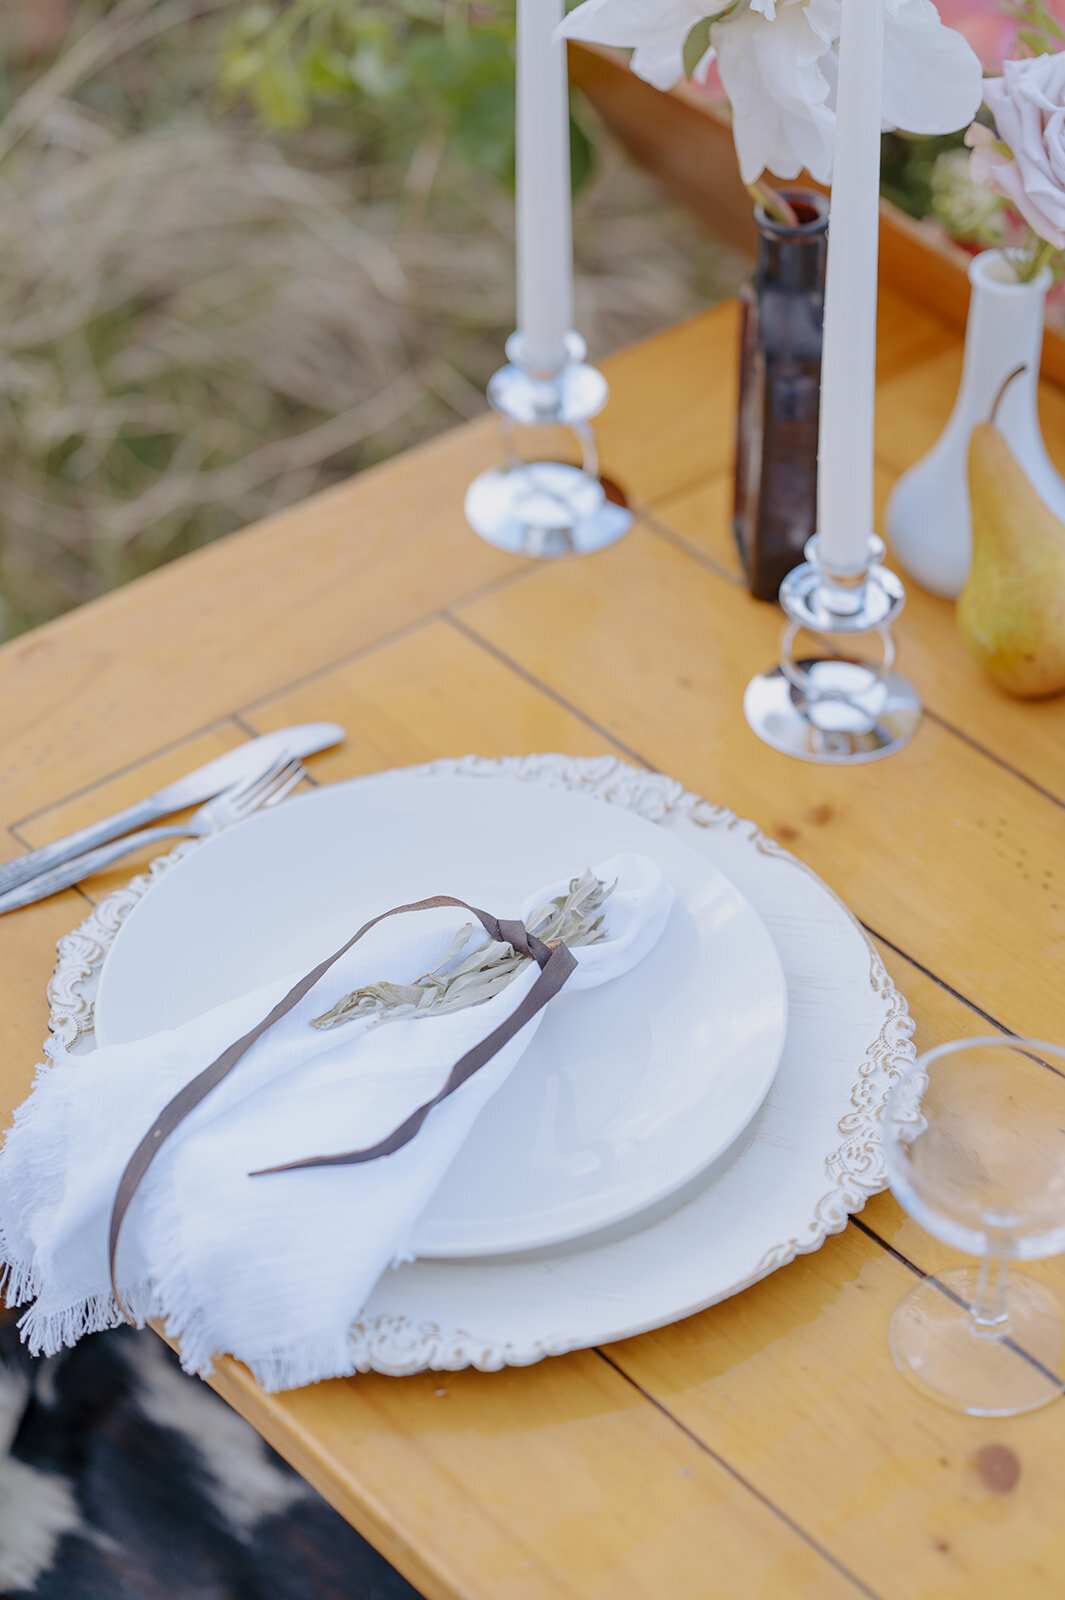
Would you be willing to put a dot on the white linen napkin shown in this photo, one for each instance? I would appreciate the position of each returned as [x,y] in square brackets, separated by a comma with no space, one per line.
[272,1269]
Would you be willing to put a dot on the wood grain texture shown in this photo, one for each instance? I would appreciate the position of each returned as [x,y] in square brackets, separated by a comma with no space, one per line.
[793,1383]
[686,380]
[171,654]
[1027,735]
[337,575]
[135,782]
[557,1480]
[790,1385]
[175,652]
[659,650]
[432,693]
[914,404]
[766,1448]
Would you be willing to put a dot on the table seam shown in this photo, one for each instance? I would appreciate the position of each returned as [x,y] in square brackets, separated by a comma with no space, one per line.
[124,770]
[852,1221]
[555,695]
[739,1478]
[940,983]
[12,829]
[648,517]
[376,1528]
[392,637]
[694,1437]
[934,1277]
[705,479]
[677,541]
[238,714]
[970,1005]
[308,776]
[689,485]
[1000,761]
[437,614]
[446,616]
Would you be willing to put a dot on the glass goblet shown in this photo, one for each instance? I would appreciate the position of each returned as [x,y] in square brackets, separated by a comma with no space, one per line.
[974,1145]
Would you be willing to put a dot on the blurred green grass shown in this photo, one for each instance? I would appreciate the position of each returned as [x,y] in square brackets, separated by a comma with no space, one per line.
[202,321]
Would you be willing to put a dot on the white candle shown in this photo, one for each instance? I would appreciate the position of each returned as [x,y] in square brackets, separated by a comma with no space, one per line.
[544,235]
[848,372]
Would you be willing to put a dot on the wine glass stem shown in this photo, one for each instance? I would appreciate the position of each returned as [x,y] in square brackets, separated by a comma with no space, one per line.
[989,1312]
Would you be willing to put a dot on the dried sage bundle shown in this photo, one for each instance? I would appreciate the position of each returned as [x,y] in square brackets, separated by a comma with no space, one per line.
[461,980]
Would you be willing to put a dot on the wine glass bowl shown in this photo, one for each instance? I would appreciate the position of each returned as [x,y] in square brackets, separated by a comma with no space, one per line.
[974,1145]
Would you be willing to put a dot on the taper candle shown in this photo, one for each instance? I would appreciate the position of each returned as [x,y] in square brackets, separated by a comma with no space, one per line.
[848,368]
[544,229]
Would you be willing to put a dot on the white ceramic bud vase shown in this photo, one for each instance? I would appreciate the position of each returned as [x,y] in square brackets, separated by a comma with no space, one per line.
[928,520]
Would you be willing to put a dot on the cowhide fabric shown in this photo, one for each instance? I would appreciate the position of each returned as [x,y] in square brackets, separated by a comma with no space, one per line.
[123,1479]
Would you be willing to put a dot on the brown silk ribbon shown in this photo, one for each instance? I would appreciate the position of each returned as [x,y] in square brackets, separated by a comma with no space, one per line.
[555,965]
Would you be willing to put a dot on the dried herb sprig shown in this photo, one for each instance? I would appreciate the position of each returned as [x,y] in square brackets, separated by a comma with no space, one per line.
[574,918]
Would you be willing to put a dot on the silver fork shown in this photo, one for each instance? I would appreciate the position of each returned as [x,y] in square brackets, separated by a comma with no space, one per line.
[232,805]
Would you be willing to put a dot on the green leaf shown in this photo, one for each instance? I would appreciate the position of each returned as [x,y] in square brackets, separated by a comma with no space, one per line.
[279,96]
[1046,19]
[582,155]
[239,68]
[327,71]
[456,68]
[1034,41]
[696,45]
[369,27]
[447,62]
[484,135]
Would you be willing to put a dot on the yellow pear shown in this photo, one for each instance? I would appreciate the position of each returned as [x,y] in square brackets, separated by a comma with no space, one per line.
[1012,610]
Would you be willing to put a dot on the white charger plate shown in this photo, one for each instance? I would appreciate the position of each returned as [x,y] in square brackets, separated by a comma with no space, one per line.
[810,1158]
[626,1094]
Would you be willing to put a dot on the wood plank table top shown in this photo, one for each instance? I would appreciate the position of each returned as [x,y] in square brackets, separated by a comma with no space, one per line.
[766,1448]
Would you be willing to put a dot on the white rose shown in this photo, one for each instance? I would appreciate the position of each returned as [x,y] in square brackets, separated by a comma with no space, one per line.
[655,31]
[779,72]
[778,61]
[1028,105]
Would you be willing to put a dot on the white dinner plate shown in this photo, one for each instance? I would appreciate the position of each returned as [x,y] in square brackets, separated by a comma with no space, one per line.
[627,1093]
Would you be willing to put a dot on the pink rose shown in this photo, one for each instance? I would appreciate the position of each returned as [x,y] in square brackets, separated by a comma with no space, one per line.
[1028,105]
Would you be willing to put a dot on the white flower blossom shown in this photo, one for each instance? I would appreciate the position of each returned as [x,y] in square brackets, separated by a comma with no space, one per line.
[778,61]
[1027,165]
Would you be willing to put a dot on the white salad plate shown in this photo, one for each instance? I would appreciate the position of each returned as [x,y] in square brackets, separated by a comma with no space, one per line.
[627,1093]
[811,1156]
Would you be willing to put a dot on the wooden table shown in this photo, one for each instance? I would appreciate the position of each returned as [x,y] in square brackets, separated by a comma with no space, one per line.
[767,1447]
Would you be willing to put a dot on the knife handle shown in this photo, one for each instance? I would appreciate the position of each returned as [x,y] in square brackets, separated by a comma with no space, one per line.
[68,873]
[23,868]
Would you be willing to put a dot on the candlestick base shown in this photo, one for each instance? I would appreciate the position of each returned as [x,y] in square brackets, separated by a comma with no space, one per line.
[546,509]
[831,706]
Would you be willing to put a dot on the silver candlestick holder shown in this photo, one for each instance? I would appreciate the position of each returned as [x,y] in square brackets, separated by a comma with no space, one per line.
[832,706]
[546,509]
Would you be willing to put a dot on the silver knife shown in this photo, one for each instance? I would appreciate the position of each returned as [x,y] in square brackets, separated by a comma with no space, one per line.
[246,760]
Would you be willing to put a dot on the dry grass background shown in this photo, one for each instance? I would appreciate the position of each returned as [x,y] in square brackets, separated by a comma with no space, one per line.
[200,322]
